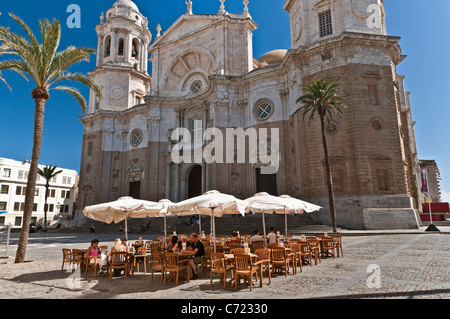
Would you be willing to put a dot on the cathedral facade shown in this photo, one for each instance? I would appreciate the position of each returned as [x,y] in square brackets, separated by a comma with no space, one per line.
[203,75]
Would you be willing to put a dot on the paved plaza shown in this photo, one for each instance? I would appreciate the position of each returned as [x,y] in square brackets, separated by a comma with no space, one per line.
[411,265]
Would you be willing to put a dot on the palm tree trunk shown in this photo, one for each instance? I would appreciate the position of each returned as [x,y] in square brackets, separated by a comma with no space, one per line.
[40,100]
[45,202]
[329,177]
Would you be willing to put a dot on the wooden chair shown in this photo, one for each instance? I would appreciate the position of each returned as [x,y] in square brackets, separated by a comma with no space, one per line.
[148,244]
[206,259]
[77,257]
[67,258]
[292,259]
[264,261]
[175,265]
[271,246]
[243,267]
[90,264]
[337,240]
[328,247]
[306,255]
[140,256]
[233,244]
[157,262]
[237,251]
[219,248]
[155,247]
[218,266]
[119,260]
[206,242]
[295,241]
[279,260]
[256,245]
[297,250]
[315,249]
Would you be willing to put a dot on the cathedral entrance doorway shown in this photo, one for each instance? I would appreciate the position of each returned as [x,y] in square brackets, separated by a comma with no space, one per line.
[266,183]
[195,181]
[135,190]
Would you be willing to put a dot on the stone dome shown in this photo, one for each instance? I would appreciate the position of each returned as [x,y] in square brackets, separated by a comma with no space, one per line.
[127,3]
[274,56]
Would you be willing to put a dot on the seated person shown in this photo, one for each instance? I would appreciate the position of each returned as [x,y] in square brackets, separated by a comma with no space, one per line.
[93,250]
[197,249]
[173,244]
[272,237]
[118,247]
[235,238]
[178,246]
[256,237]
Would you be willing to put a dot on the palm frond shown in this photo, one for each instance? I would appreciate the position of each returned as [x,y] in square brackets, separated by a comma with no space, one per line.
[81,78]
[322,98]
[75,93]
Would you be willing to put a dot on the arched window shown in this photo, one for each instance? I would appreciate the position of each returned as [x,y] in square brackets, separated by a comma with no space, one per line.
[121,45]
[107,46]
[135,49]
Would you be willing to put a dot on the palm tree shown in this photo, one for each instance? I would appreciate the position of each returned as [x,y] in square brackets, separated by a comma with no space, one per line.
[46,67]
[47,173]
[322,98]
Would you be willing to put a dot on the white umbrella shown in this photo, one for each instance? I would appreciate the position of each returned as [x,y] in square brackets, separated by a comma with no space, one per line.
[120,210]
[212,203]
[297,206]
[265,204]
[166,203]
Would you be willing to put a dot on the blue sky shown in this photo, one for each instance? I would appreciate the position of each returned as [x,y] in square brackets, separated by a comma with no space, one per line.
[422,25]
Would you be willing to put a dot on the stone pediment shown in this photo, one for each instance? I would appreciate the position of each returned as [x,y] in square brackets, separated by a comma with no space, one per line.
[184,26]
[322,5]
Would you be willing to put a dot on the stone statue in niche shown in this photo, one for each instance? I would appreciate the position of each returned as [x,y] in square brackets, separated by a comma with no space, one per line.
[134,171]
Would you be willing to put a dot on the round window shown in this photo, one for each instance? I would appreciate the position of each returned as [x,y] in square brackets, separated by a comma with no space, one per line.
[332,127]
[196,87]
[136,137]
[263,110]
[377,125]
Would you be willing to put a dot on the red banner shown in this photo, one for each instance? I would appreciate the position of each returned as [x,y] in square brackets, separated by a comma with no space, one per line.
[424,179]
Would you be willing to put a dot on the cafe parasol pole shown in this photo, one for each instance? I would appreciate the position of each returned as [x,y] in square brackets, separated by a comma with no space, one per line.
[264,229]
[285,223]
[214,226]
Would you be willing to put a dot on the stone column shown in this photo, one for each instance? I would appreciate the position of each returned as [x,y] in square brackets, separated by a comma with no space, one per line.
[168,179]
[128,44]
[99,51]
[144,57]
[113,50]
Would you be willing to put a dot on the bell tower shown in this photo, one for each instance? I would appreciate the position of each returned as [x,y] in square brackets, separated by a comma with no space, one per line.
[316,20]
[122,58]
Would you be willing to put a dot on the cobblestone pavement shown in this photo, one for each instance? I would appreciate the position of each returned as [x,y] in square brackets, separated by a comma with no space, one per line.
[410,266]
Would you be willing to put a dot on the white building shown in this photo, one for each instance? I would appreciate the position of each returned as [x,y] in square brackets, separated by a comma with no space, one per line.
[203,75]
[13,183]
